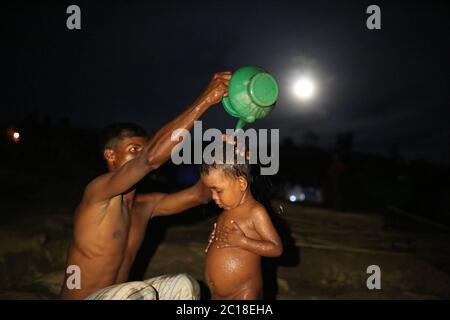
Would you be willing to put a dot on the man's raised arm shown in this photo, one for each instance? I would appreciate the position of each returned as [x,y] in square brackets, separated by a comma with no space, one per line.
[159,148]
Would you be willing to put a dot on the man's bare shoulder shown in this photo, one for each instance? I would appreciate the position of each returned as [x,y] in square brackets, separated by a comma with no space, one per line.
[93,188]
[89,208]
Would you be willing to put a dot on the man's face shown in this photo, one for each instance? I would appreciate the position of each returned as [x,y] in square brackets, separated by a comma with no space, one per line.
[124,150]
[226,191]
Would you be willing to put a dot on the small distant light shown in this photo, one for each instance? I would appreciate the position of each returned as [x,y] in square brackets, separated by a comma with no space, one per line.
[302,197]
[16,137]
[292,198]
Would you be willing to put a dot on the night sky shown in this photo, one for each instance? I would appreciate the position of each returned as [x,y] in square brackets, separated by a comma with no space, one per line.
[145,61]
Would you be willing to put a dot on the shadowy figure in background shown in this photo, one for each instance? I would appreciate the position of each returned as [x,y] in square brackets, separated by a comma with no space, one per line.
[261,188]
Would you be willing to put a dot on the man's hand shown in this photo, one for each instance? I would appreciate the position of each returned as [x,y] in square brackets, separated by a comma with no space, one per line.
[217,88]
[230,237]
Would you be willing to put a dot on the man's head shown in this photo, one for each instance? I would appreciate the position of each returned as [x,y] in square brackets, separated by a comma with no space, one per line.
[121,143]
[227,179]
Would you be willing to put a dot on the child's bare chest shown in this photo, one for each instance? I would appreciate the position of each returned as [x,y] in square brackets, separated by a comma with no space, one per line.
[242,219]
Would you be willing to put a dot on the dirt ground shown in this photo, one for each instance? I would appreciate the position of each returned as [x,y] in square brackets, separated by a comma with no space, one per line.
[326,256]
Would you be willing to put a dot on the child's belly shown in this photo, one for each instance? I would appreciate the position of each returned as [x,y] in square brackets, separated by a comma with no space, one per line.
[231,270]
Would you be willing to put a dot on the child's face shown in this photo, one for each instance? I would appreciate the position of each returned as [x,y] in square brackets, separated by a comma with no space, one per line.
[226,191]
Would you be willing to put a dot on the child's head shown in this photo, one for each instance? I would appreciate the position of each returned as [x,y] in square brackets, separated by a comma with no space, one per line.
[228,181]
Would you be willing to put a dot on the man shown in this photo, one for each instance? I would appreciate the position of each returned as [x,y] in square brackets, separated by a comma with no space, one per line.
[111,220]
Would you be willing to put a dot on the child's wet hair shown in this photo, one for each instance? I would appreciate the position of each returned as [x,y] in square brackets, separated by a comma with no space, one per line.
[229,164]
[117,131]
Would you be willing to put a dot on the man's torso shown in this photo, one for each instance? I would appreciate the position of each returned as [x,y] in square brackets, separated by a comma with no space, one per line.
[106,239]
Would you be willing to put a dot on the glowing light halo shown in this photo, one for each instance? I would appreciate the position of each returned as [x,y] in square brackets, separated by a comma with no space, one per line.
[304,88]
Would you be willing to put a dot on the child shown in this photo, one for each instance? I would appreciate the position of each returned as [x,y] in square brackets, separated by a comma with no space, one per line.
[242,234]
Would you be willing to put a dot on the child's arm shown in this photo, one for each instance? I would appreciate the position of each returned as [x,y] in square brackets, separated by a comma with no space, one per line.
[269,246]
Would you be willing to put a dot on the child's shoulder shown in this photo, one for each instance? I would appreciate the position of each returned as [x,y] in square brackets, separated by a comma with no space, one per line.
[257,208]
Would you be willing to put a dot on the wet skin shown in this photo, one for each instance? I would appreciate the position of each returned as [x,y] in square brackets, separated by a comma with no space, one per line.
[242,234]
[111,220]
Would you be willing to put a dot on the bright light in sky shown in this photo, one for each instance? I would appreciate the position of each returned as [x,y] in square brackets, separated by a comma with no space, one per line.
[304,88]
